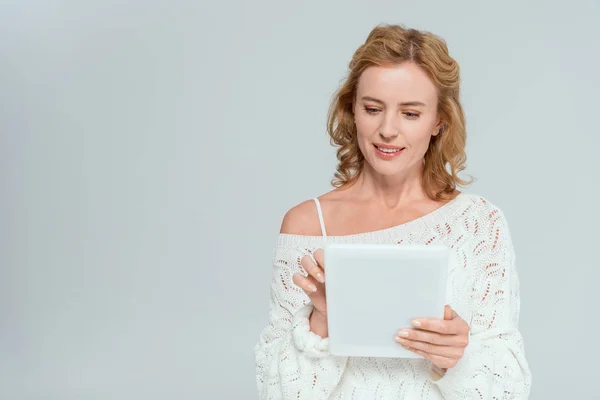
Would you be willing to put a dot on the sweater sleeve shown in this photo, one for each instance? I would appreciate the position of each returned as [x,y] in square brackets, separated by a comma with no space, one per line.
[494,364]
[292,362]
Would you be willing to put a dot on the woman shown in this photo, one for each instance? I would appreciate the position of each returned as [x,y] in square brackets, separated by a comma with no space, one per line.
[398,123]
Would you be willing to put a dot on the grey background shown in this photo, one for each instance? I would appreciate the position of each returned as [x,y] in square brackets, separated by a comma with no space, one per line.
[149,150]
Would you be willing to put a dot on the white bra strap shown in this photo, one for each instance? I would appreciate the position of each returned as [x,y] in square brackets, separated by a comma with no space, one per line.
[320,217]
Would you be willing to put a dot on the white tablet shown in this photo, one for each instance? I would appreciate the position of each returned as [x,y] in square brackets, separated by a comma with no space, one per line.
[374,290]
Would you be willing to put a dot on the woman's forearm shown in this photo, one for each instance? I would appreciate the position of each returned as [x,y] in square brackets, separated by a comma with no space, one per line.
[318,324]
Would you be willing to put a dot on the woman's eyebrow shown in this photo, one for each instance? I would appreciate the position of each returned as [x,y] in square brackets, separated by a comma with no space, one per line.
[405,103]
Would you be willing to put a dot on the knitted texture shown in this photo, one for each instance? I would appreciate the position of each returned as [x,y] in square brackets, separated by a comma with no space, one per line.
[483,288]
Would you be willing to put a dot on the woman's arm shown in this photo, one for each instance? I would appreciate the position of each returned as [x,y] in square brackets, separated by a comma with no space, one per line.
[293,361]
[318,324]
[494,363]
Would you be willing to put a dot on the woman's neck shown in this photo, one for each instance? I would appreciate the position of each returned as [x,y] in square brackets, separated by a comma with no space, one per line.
[389,191]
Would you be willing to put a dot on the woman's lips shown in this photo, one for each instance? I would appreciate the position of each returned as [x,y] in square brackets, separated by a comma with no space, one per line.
[389,155]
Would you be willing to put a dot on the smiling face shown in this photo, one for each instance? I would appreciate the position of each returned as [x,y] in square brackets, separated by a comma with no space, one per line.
[395,108]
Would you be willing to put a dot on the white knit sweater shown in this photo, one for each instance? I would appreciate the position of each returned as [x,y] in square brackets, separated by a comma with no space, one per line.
[483,288]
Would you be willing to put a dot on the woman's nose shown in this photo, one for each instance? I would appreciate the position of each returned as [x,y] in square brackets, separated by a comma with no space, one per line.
[389,129]
[387,134]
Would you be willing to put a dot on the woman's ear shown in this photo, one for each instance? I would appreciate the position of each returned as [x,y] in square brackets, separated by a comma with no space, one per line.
[439,128]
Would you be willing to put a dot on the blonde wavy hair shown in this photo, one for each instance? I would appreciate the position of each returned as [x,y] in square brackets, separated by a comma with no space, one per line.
[395,44]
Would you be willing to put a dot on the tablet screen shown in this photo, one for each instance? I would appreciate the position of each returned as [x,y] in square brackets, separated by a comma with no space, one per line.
[374,290]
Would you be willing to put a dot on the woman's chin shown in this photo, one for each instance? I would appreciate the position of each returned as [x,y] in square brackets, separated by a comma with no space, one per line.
[387,170]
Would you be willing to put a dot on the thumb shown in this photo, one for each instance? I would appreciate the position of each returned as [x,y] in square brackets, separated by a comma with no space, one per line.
[449,313]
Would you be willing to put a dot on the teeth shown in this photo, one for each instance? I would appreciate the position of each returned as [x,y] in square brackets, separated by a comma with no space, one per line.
[388,150]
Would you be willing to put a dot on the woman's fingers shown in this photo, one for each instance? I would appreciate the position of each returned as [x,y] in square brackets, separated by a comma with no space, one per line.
[433,349]
[313,289]
[319,256]
[314,283]
[313,269]
[431,337]
[440,361]
[306,283]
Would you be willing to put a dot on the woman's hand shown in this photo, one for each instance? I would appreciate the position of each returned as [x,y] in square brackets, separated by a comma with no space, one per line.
[441,341]
[314,284]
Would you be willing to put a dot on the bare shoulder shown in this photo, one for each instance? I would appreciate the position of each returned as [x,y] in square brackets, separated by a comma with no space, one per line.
[302,219]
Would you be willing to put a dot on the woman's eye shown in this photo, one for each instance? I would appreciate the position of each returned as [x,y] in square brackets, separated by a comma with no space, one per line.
[371,110]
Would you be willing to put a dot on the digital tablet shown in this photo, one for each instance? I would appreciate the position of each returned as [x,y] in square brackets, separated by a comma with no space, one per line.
[374,290]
